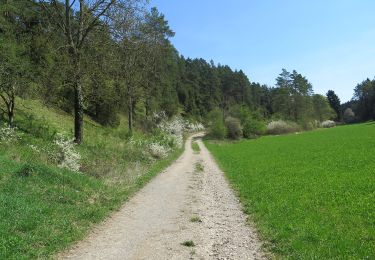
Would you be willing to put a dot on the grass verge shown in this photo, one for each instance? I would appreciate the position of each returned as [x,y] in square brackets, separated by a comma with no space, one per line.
[195,147]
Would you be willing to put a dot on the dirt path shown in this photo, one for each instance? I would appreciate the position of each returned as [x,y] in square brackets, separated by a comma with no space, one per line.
[186,202]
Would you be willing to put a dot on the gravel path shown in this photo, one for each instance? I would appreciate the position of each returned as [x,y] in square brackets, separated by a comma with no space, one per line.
[189,201]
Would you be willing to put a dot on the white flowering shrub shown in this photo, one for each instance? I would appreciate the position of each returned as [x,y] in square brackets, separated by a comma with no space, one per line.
[328,124]
[174,129]
[158,151]
[168,135]
[67,156]
[8,134]
[349,116]
[282,127]
[194,127]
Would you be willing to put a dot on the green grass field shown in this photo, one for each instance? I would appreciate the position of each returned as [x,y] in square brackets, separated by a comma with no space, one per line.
[311,195]
[44,209]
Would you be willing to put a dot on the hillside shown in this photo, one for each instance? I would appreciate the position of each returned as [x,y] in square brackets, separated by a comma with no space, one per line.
[44,207]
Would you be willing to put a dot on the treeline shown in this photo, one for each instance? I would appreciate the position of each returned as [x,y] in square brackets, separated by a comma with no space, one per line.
[362,106]
[103,58]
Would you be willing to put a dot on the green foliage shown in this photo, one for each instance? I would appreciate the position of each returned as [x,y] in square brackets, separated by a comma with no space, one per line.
[322,109]
[253,124]
[188,243]
[364,95]
[107,115]
[335,103]
[292,97]
[217,128]
[309,197]
[253,128]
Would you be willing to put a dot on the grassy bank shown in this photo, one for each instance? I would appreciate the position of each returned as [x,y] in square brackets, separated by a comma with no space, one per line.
[311,195]
[44,208]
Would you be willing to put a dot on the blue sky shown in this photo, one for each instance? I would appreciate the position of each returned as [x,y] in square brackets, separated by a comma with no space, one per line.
[331,42]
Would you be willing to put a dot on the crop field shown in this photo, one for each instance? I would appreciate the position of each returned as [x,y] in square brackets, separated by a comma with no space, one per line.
[311,195]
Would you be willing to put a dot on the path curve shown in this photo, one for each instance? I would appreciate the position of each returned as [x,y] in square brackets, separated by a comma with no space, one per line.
[180,204]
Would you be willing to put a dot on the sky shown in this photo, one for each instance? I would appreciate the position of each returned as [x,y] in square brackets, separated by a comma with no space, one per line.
[331,42]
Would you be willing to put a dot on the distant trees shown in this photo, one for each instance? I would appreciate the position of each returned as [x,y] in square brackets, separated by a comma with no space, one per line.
[322,108]
[335,104]
[292,97]
[364,96]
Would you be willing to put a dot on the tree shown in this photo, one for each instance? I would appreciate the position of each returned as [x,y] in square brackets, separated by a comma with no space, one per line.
[155,36]
[13,59]
[301,97]
[130,53]
[76,26]
[76,20]
[364,94]
[322,109]
[99,66]
[292,97]
[335,103]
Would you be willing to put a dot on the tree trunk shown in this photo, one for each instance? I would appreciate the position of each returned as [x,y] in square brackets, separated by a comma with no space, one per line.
[11,115]
[78,99]
[130,115]
[78,114]
[148,107]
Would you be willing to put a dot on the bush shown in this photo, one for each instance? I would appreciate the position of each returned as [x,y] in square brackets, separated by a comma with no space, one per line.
[251,121]
[328,124]
[282,127]
[217,129]
[67,156]
[158,151]
[234,128]
[253,128]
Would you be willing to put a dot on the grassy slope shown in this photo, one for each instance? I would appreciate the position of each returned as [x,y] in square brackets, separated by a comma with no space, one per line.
[43,208]
[311,195]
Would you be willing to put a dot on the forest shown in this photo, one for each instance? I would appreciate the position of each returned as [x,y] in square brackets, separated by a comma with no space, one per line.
[105,58]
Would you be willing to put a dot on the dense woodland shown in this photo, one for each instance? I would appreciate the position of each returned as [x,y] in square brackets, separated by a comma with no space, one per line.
[105,58]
